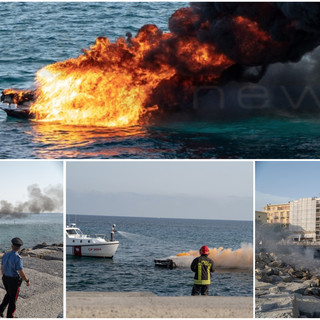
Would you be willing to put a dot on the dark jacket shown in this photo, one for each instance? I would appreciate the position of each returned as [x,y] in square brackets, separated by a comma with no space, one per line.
[202,267]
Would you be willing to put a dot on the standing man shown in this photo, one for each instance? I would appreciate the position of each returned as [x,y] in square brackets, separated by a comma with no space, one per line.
[112,232]
[202,267]
[12,276]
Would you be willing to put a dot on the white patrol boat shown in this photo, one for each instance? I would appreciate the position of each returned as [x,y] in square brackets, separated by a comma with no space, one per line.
[79,244]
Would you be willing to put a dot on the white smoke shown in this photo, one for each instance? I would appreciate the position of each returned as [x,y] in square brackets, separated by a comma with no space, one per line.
[241,258]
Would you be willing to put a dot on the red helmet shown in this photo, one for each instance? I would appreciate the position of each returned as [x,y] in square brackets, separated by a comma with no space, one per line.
[204,250]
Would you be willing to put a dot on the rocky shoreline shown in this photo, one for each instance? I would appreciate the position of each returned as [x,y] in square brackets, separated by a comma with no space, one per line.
[43,265]
[284,290]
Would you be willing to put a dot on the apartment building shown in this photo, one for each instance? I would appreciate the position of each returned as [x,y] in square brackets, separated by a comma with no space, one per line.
[305,219]
[278,213]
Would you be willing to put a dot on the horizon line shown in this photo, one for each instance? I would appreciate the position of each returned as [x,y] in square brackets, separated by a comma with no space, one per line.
[103,215]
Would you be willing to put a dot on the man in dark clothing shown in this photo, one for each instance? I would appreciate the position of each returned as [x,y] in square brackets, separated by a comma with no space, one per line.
[202,267]
[12,276]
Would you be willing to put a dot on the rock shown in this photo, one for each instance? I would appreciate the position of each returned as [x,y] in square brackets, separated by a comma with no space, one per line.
[316,280]
[311,291]
[295,287]
[274,290]
[47,254]
[277,264]
[277,306]
[297,274]
[270,279]
[267,307]
[268,272]
[276,271]
[258,271]
[291,271]
[262,288]
[312,283]
[308,305]
[40,246]
[275,279]
[286,277]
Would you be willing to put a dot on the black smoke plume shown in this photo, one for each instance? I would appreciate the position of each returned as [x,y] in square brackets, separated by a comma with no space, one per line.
[50,199]
[253,36]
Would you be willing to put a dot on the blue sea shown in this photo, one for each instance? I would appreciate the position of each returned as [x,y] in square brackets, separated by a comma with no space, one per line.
[144,239]
[33,229]
[33,35]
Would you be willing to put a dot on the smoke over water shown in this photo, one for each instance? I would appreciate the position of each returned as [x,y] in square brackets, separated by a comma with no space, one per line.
[50,199]
[209,44]
[223,258]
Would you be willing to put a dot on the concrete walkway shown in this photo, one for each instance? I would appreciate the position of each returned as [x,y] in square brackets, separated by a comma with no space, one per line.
[148,305]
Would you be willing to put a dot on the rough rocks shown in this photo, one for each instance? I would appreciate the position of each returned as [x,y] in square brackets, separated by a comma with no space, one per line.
[44,251]
[283,291]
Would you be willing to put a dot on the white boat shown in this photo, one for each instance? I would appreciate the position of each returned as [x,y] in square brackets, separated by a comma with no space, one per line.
[80,244]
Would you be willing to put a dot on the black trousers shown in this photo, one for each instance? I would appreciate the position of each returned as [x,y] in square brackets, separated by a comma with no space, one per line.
[12,286]
[200,288]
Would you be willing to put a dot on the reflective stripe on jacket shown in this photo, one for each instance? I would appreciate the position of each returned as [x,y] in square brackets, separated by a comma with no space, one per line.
[202,267]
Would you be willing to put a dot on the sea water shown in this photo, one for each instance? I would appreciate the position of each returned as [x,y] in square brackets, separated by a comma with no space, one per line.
[144,239]
[33,229]
[33,35]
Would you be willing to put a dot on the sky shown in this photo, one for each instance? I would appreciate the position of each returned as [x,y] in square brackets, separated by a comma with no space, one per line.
[284,181]
[177,189]
[16,176]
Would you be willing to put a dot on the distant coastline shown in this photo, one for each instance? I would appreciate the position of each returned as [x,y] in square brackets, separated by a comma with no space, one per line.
[161,218]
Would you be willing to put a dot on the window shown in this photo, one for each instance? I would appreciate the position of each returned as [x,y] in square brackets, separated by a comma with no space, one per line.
[71,231]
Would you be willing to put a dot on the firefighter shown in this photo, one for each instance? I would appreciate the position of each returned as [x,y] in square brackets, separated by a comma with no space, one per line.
[202,267]
[12,277]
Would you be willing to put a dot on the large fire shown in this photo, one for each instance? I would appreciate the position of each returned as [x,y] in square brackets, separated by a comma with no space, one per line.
[110,85]
[120,84]
[106,86]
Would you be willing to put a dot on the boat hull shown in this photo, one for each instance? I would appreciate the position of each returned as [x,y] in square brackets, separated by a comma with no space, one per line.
[106,250]
[19,114]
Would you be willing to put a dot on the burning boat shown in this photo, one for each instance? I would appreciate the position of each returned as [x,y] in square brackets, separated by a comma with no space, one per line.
[117,84]
[80,244]
[18,103]
[165,263]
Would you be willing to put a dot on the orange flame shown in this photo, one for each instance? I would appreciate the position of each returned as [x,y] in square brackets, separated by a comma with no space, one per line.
[104,87]
[18,96]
